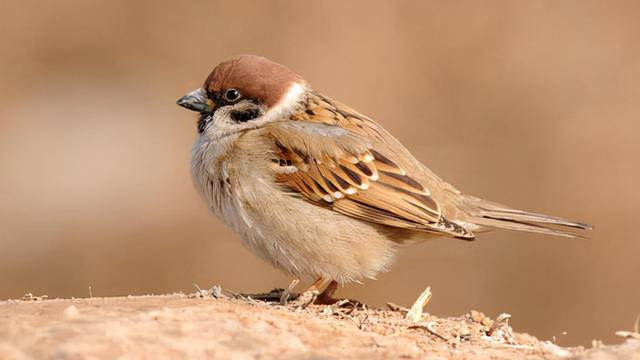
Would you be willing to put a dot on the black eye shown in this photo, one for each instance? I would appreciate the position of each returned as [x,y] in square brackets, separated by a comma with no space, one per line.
[231,95]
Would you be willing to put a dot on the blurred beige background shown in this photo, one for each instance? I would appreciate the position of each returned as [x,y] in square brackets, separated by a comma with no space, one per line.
[533,104]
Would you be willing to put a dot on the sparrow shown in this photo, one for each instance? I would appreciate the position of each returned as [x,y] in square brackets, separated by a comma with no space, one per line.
[318,189]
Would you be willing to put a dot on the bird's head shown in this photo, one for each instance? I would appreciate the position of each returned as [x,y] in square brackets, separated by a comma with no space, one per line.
[242,93]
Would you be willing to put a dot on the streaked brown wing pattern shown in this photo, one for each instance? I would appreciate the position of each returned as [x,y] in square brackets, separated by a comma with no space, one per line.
[336,166]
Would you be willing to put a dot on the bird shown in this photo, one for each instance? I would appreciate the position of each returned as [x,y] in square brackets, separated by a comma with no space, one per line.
[318,189]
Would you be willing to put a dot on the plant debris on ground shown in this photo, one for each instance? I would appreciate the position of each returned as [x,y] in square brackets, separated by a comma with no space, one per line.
[215,323]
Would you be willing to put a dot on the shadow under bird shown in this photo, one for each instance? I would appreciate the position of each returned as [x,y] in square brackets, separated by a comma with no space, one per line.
[318,189]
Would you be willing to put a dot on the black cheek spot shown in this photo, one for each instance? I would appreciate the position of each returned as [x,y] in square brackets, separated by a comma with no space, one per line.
[244,116]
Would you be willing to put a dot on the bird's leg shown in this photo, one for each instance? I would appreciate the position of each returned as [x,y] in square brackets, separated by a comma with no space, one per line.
[317,285]
[313,295]
[326,297]
[310,294]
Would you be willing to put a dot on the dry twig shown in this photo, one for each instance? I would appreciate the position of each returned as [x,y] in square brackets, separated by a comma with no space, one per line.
[415,313]
[500,320]
[635,334]
[397,308]
[429,327]
[287,292]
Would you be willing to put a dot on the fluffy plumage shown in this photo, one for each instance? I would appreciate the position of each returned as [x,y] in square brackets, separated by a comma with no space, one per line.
[318,189]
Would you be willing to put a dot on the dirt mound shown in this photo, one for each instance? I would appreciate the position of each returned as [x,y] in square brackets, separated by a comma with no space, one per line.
[222,325]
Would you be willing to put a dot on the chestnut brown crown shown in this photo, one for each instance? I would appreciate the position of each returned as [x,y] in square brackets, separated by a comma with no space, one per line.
[255,77]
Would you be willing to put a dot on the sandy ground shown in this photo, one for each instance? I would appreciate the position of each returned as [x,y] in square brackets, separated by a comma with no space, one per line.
[219,325]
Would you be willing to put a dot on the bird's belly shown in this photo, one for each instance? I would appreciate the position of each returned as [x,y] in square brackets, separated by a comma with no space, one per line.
[296,236]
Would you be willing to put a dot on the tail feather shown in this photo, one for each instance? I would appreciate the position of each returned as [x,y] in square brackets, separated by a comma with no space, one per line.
[491,215]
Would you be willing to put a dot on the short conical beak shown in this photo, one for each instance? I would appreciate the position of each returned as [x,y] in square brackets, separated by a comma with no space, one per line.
[197,100]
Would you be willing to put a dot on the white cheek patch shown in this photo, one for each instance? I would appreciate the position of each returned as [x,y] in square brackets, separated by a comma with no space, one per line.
[287,104]
[285,107]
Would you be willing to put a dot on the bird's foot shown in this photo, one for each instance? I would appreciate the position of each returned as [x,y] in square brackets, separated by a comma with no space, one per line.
[326,297]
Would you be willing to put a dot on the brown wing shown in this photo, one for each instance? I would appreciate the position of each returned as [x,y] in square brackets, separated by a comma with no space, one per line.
[333,161]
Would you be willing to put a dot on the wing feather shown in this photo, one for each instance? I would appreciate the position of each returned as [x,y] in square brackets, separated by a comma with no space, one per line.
[338,166]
